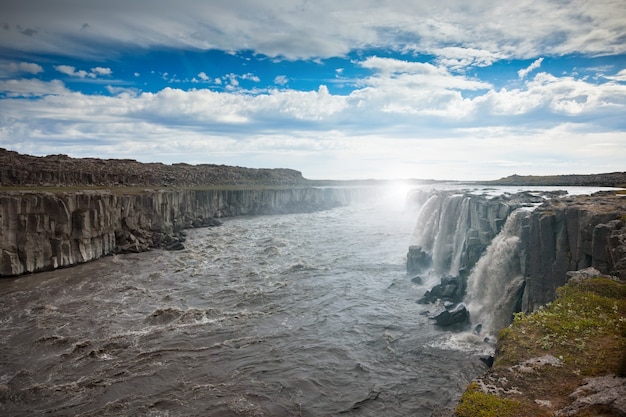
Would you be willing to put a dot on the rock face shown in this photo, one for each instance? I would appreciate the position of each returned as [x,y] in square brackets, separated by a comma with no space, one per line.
[41,230]
[569,234]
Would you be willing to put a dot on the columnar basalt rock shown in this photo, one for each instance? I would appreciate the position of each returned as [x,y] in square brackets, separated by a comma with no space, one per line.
[569,234]
[42,230]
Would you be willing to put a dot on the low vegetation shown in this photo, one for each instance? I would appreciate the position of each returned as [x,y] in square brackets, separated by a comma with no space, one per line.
[583,331]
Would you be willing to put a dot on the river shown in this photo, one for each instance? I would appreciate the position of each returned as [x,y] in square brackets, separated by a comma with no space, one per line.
[293,315]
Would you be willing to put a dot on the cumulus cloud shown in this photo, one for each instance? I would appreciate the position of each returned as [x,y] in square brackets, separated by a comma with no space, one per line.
[72,72]
[281,80]
[27,67]
[525,71]
[100,71]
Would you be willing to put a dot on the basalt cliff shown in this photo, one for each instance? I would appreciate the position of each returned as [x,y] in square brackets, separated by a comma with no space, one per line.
[58,211]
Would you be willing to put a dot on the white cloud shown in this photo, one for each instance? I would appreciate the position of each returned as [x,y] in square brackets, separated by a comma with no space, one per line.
[460,32]
[203,76]
[251,77]
[620,76]
[32,88]
[101,71]
[281,80]
[524,72]
[72,72]
[421,119]
[27,67]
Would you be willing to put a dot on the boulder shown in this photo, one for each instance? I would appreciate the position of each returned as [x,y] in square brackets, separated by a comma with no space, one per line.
[450,289]
[417,260]
[455,316]
[417,280]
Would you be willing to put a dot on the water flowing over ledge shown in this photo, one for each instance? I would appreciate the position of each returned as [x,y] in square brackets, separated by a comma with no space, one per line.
[503,253]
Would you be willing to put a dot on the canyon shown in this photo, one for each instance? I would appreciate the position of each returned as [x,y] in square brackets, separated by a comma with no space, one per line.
[42,230]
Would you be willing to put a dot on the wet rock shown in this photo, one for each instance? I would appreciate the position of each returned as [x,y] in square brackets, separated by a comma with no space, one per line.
[455,316]
[417,280]
[487,360]
[450,289]
[417,260]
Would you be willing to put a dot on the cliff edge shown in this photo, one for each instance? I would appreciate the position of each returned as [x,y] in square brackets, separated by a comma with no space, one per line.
[57,211]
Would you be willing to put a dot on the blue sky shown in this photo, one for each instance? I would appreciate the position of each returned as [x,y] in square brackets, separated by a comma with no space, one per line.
[444,89]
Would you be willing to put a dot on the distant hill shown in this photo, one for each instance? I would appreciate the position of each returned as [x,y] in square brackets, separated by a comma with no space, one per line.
[19,170]
[612,179]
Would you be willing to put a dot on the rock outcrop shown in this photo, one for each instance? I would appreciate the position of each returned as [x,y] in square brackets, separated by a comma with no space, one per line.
[43,230]
[569,234]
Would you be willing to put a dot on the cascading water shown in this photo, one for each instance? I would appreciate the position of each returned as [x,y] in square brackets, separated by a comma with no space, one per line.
[495,282]
[440,231]
[461,231]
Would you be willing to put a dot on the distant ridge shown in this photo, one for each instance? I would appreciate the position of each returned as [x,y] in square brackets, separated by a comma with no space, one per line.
[612,179]
[17,170]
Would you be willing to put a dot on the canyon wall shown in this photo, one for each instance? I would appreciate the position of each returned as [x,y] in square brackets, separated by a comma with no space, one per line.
[42,230]
[569,234]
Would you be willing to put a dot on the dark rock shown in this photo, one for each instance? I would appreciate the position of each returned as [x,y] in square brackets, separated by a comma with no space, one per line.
[417,260]
[450,289]
[175,246]
[487,360]
[41,230]
[571,234]
[459,315]
[417,280]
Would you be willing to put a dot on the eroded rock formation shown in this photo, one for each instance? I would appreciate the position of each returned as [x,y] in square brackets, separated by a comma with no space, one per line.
[42,230]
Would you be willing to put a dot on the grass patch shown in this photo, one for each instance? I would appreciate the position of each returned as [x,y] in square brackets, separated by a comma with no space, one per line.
[585,328]
[586,318]
[475,403]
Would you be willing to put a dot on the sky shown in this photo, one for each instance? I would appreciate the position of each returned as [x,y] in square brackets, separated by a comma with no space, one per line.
[351,89]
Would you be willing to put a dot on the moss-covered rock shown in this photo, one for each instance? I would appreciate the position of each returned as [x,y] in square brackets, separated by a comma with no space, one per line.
[545,357]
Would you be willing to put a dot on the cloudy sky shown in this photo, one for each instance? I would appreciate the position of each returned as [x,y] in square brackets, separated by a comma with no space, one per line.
[444,89]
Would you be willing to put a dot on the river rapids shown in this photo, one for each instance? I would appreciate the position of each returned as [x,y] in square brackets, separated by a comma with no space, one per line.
[292,315]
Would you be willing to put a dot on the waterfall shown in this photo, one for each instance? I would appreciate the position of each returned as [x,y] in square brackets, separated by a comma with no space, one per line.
[496,281]
[441,230]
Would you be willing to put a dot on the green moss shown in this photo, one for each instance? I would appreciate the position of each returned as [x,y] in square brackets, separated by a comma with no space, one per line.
[475,403]
[585,327]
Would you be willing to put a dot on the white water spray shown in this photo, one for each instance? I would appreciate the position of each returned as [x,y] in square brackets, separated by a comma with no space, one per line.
[495,281]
